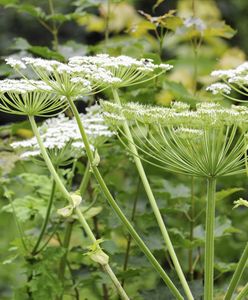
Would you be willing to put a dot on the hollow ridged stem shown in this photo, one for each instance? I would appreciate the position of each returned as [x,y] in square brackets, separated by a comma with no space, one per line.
[67,195]
[237,274]
[243,293]
[153,203]
[209,240]
[117,209]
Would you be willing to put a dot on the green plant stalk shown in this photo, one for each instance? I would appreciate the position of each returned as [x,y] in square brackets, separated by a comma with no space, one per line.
[85,179]
[117,209]
[54,29]
[129,238]
[68,197]
[44,225]
[107,23]
[243,293]
[65,245]
[192,224]
[237,274]
[153,203]
[209,240]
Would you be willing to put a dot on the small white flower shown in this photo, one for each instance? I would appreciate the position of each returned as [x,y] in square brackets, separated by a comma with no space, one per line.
[218,87]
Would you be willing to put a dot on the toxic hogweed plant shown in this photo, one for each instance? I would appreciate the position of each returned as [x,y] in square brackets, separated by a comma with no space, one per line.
[70,81]
[205,142]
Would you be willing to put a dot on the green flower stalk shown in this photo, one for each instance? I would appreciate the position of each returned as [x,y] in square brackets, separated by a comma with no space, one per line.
[204,142]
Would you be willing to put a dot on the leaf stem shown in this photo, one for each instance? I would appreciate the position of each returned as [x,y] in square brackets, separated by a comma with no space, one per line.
[129,238]
[237,274]
[65,245]
[68,197]
[209,239]
[85,179]
[44,225]
[117,209]
[153,203]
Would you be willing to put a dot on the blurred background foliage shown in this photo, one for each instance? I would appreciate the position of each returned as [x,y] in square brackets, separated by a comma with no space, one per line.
[196,37]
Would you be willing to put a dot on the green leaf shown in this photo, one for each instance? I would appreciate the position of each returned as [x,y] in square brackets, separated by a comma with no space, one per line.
[20,44]
[225,267]
[93,211]
[45,52]
[225,193]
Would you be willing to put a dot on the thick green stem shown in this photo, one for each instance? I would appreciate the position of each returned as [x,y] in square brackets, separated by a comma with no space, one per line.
[153,203]
[117,209]
[209,240]
[69,198]
[44,225]
[243,293]
[237,274]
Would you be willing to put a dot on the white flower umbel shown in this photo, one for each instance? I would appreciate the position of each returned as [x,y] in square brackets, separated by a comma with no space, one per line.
[128,70]
[62,138]
[197,142]
[66,79]
[29,97]
[235,80]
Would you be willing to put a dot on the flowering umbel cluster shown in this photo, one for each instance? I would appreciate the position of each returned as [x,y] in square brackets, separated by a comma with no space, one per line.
[232,80]
[29,97]
[62,138]
[128,70]
[66,79]
[201,142]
